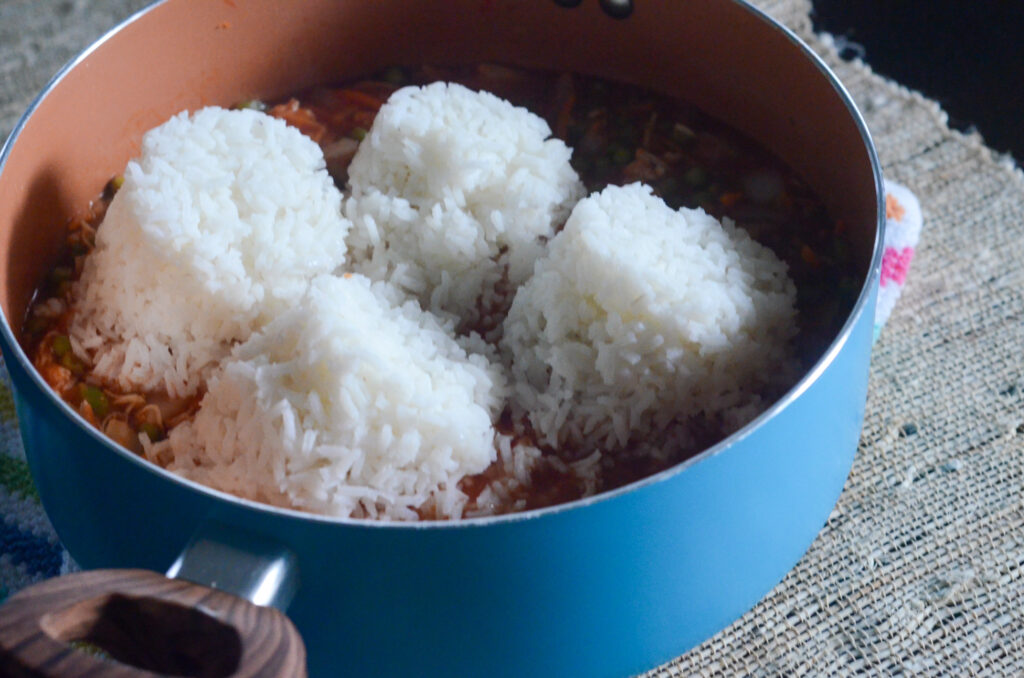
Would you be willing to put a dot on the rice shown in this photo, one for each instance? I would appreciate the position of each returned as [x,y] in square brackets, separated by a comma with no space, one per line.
[346,405]
[219,225]
[444,353]
[640,315]
[454,193]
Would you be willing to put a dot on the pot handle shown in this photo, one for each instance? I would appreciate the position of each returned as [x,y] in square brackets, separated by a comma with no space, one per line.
[134,623]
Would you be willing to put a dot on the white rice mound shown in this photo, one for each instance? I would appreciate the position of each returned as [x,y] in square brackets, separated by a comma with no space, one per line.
[345,405]
[454,194]
[640,315]
[219,225]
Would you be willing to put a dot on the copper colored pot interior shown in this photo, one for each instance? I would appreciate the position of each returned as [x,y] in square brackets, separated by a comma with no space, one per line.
[187,55]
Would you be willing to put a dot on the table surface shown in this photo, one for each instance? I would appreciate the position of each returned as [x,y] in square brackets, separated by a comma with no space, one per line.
[920,568]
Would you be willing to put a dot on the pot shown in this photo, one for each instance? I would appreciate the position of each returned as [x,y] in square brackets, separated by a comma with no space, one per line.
[605,586]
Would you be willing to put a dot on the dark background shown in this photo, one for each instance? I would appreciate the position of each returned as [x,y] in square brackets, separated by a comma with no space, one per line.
[967,55]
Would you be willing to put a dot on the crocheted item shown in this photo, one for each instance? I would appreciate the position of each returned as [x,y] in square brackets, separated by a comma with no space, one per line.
[902,230]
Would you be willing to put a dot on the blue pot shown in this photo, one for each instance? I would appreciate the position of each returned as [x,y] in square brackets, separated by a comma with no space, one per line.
[606,586]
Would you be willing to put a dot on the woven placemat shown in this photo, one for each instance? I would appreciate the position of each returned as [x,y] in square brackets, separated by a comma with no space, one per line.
[920,568]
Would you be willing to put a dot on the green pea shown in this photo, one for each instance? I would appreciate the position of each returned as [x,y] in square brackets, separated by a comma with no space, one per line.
[696,176]
[60,274]
[90,648]
[703,198]
[394,75]
[61,345]
[358,133]
[97,400]
[668,186]
[619,154]
[36,325]
[251,104]
[581,164]
[70,362]
[152,431]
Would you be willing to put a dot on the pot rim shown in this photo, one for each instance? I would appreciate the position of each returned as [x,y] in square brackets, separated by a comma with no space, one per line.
[16,351]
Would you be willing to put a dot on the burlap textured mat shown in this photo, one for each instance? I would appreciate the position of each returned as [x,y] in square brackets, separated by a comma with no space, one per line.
[920,568]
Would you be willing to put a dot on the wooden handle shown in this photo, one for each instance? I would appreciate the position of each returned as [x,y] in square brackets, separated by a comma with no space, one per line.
[132,623]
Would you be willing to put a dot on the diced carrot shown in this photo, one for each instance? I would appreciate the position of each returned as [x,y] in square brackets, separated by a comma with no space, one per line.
[300,118]
[809,257]
[363,119]
[59,378]
[649,130]
[731,198]
[565,117]
[565,100]
[377,89]
[85,410]
[353,97]
[645,167]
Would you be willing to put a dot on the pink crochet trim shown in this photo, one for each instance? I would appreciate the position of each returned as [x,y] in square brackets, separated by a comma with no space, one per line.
[895,264]
[902,229]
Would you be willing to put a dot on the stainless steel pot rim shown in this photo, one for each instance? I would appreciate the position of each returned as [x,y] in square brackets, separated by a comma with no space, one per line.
[874,269]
